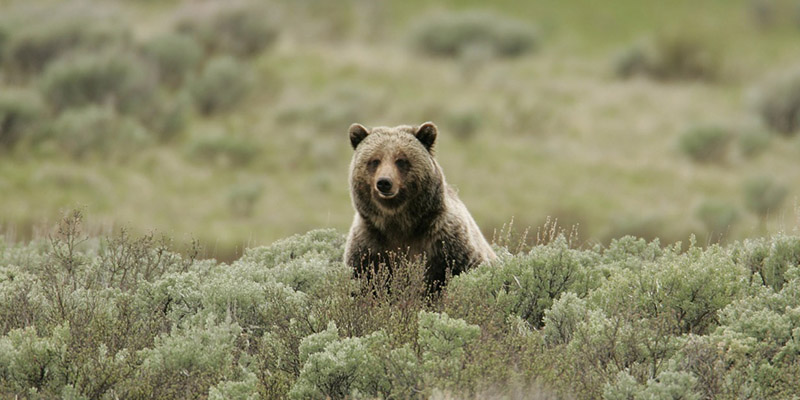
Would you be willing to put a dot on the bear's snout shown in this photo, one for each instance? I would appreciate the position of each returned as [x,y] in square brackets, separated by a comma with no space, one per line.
[385,187]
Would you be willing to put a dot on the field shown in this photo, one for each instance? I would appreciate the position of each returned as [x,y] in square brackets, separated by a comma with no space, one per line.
[222,127]
[554,131]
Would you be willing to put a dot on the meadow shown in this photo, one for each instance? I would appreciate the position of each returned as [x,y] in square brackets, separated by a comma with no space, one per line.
[205,143]
[227,123]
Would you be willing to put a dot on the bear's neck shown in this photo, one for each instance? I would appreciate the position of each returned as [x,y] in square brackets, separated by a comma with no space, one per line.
[412,219]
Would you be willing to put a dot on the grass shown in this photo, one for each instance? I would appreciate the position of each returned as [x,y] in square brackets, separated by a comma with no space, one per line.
[559,135]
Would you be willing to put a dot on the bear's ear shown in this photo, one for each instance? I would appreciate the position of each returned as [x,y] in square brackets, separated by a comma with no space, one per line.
[357,133]
[426,133]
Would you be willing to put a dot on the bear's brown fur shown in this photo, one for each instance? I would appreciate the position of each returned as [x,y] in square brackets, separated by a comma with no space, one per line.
[405,207]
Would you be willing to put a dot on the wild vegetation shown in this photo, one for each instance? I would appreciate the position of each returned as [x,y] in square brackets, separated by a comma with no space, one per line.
[223,125]
[128,317]
[226,122]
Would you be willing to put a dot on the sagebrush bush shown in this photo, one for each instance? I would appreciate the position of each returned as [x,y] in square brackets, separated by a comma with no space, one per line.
[706,143]
[676,56]
[667,385]
[189,360]
[126,317]
[769,261]
[242,198]
[166,115]
[97,130]
[778,103]
[21,115]
[457,34]
[563,317]
[117,79]
[175,55]
[754,353]
[32,48]
[242,30]
[464,123]
[633,60]
[523,285]
[222,85]
[368,367]
[683,291]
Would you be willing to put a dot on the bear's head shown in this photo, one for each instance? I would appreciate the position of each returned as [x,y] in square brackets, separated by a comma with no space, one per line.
[393,169]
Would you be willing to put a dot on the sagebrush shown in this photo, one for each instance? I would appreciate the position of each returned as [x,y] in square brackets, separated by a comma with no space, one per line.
[127,317]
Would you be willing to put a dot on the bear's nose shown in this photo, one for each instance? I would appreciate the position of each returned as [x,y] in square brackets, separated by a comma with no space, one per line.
[384,185]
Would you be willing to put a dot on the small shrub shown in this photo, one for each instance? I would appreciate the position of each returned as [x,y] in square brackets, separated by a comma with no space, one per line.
[524,285]
[341,368]
[464,123]
[682,291]
[98,131]
[562,318]
[778,103]
[118,79]
[683,56]
[175,56]
[221,86]
[667,385]
[166,115]
[21,114]
[706,144]
[240,30]
[34,359]
[327,243]
[189,360]
[717,217]
[31,49]
[763,195]
[244,389]
[457,34]
[669,57]
[770,260]
[242,198]
[368,366]
[624,387]
[444,343]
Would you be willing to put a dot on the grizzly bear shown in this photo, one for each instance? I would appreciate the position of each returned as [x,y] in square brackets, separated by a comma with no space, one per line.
[405,207]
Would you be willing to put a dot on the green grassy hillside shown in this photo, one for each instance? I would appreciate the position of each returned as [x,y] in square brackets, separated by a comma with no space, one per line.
[226,123]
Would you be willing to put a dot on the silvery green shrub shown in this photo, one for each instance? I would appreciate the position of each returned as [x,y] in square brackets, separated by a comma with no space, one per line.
[222,85]
[527,284]
[113,77]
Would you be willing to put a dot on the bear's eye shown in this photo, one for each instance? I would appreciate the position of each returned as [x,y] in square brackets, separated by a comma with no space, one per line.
[402,163]
[373,164]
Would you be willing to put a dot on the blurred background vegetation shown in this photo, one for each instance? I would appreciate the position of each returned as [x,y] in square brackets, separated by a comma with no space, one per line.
[226,121]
